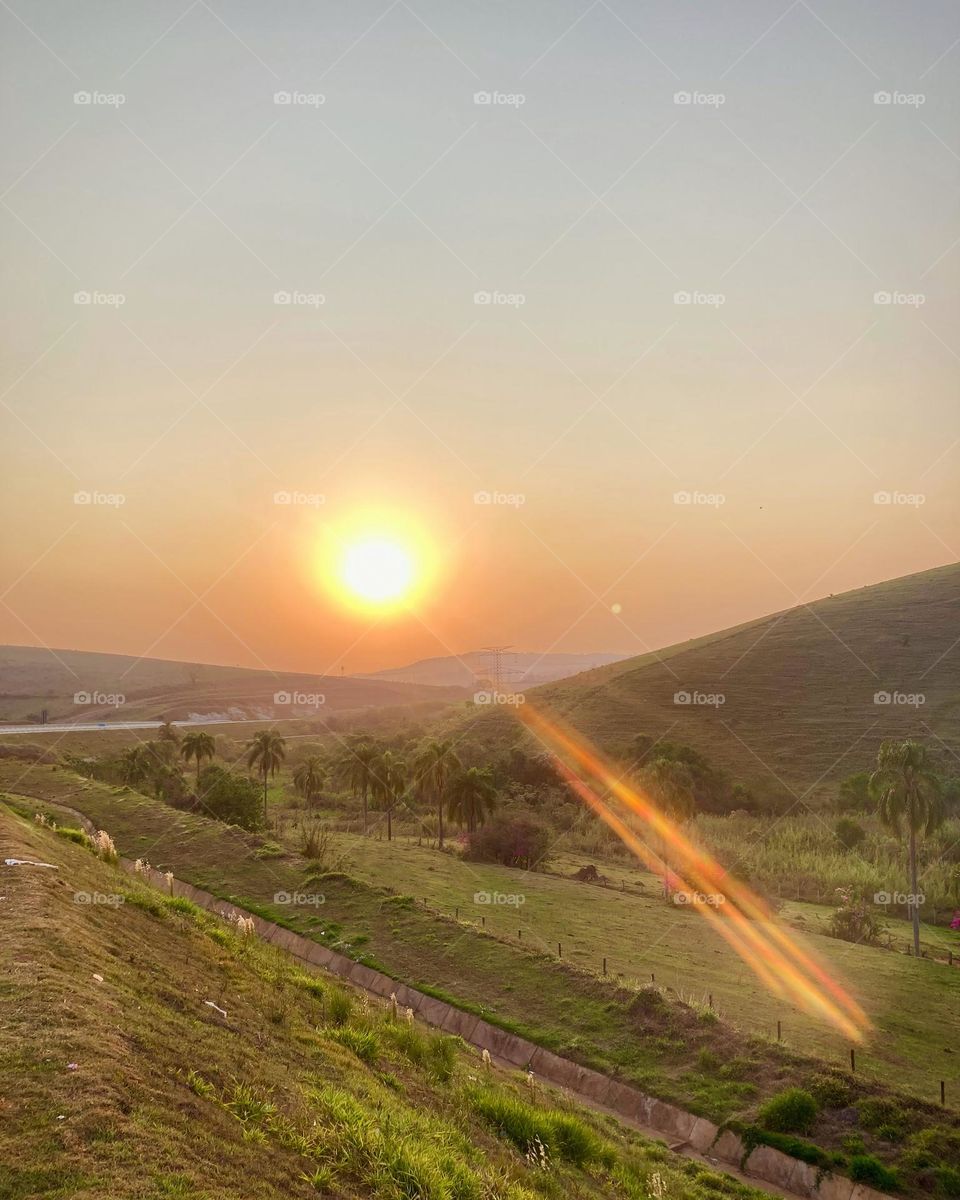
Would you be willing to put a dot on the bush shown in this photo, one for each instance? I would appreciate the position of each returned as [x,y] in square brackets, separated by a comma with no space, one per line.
[948,1181]
[233,799]
[854,921]
[519,842]
[363,1042]
[791,1111]
[831,1091]
[849,833]
[864,1168]
[341,1006]
[882,1117]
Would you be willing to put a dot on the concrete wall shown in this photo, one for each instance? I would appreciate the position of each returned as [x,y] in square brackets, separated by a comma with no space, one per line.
[765,1164]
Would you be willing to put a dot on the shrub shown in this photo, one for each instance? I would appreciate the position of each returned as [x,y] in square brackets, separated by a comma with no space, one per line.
[790,1111]
[831,1091]
[75,835]
[864,1168]
[363,1042]
[948,1181]
[882,1117]
[341,1006]
[233,799]
[849,833]
[854,921]
[519,842]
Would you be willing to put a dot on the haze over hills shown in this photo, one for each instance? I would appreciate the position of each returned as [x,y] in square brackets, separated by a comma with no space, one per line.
[519,668]
[34,679]
[792,702]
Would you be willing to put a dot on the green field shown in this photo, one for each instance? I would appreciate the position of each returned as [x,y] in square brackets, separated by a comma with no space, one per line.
[151,1052]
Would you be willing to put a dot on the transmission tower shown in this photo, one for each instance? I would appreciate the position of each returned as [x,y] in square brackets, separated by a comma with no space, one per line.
[497,653]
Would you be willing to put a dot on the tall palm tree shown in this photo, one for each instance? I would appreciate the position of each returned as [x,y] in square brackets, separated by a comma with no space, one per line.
[309,778]
[908,790]
[136,765]
[435,765]
[356,767]
[168,733]
[473,797]
[266,751]
[389,784]
[198,744]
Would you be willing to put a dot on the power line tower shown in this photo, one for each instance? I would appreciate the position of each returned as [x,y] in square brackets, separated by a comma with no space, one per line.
[496,653]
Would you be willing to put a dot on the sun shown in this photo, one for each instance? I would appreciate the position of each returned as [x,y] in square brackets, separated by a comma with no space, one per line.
[378,571]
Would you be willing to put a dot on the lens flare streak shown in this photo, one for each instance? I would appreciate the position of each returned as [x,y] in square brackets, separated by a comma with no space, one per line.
[777,959]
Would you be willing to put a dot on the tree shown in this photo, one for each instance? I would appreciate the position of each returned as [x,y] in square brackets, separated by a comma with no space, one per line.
[266,752]
[908,790]
[136,765]
[309,778]
[168,733]
[473,797]
[198,744]
[390,783]
[356,768]
[435,765]
[849,833]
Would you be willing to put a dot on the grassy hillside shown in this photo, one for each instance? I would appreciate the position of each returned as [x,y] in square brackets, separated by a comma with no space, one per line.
[156,689]
[723,1065]
[798,688]
[149,1051]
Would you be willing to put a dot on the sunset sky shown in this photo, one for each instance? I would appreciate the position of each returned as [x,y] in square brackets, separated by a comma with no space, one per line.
[783,196]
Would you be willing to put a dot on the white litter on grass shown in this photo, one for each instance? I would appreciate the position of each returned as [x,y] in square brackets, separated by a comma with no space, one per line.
[221,1011]
[98,978]
[28,862]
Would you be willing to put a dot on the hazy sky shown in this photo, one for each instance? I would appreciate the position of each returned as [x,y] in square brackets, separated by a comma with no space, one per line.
[782,198]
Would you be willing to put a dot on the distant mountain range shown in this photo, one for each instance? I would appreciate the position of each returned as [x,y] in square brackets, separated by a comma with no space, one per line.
[519,668]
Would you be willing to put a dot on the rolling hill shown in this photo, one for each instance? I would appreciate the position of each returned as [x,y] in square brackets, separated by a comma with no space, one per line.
[790,703]
[522,668]
[33,679]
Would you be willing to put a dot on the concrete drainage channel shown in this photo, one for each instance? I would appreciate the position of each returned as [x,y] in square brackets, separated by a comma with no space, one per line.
[685,1133]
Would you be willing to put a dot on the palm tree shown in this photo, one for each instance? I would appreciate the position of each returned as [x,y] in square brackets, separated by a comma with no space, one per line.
[473,797]
[136,765]
[309,778]
[168,733]
[266,751]
[389,784]
[906,789]
[198,744]
[434,767]
[357,768]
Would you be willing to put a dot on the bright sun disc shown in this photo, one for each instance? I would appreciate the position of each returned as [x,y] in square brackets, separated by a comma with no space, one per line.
[378,571]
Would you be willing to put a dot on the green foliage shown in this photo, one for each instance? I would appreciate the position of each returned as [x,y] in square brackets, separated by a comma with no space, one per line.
[850,834]
[231,798]
[882,1117]
[363,1042]
[854,920]
[518,842]
[340,1006]
[865,1168]
[559,1134]
[789,1111]
[831,1090]
[948,1181]
[78,836]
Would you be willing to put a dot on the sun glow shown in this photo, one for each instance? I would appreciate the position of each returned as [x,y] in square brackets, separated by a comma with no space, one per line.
[378,571]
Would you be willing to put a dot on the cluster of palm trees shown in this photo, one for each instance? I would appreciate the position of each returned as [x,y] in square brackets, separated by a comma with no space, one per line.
[378,776]
[433,774]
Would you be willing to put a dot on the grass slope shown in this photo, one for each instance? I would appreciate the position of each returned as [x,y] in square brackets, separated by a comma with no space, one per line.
[679,1051]
[798,687]
[122,1080]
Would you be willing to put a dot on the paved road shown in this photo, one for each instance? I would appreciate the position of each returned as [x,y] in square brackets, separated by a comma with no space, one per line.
[105,726]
